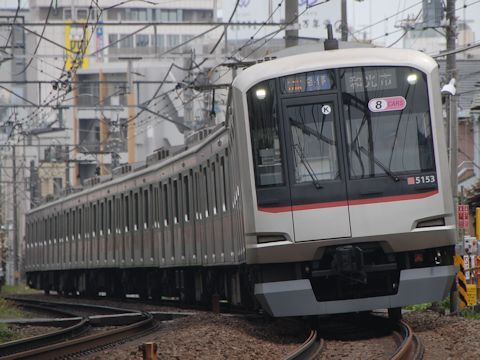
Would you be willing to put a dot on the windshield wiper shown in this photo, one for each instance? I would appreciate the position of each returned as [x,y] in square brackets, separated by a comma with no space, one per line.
[379,163]
[307,165]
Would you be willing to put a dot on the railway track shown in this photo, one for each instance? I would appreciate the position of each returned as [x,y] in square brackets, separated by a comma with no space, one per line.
[409,345]
[76,338]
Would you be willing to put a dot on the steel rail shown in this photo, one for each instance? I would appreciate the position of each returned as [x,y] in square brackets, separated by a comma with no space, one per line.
[11,349]
[410,346]
[309,349]
[54,305]
[86,343]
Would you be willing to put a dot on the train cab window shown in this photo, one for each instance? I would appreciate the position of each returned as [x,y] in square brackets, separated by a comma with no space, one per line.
[388,121]
[264,133]
[314,145]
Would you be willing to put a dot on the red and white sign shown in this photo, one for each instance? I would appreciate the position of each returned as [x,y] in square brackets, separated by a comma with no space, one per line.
[462,215]
[392,103]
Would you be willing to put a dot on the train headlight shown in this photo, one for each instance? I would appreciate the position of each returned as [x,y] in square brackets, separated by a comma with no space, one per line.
[261,94]
[412,79]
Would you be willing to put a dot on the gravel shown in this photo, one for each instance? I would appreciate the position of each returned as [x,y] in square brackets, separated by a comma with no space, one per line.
[446,337]
[25,331]
[205,335]
[210,336]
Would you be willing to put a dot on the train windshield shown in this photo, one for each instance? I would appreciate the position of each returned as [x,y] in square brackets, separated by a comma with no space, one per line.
[387,116]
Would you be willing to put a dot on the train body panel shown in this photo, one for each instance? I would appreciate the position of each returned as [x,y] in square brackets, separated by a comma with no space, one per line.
[327,191]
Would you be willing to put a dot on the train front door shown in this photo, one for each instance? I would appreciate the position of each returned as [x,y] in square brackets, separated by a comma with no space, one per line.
[316,175]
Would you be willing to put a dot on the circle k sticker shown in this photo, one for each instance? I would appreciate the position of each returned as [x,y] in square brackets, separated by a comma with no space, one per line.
[392,103]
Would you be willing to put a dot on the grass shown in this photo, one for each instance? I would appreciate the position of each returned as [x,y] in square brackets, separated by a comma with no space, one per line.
[418,307]
[17,289]
[6,334]
[7,311]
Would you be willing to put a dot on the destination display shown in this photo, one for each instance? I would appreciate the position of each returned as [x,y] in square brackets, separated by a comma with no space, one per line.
[360,79]
[307,82]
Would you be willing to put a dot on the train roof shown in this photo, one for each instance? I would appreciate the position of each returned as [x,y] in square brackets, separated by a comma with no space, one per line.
[329,60]
[143,171]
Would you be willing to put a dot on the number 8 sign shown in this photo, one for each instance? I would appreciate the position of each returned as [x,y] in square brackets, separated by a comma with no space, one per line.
[387,104]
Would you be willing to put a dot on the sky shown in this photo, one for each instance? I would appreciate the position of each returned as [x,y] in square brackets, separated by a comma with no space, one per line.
[368,14]
[361,14]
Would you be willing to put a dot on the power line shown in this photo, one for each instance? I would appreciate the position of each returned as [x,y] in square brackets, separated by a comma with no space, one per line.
[39,41]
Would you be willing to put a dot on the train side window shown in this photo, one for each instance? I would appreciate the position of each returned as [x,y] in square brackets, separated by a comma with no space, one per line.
[79,223]
[214,192]
[127,213]
[109,217]
[186,191]
[176,205]
[156,211]
[146,208]
[68,226]
[94,228]
[224,184]
[207,196]
[198,208]
[79,230]
[166,209]
[102,218]
[136,211]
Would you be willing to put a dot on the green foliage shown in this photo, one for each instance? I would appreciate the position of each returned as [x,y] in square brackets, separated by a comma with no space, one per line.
[470,313]
[6,334]
[18,289]
[418,307]
[8,310]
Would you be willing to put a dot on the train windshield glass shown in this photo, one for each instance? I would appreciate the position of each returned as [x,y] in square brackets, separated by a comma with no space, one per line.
[387,121]
[314,144]
[264,132]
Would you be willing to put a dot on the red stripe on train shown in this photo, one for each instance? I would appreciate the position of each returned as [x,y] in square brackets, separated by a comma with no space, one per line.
[377,200]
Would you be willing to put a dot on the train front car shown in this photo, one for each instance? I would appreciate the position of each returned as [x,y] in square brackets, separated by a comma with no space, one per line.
[347,181]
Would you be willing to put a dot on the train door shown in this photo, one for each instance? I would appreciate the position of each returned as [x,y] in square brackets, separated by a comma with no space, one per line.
[316,175]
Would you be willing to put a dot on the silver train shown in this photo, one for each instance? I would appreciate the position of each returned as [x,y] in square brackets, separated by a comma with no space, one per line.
[325,191]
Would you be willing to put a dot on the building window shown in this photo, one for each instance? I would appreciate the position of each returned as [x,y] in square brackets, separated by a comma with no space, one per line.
[160,41]
[126,42]
[67,14]
[137,14]
[57,185]
[82,14]
[141,40]
[173,40]
[112,40]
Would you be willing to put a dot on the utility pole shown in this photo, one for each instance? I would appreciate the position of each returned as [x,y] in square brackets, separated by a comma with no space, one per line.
[103,123]
[451,70]
[344,21]
[131,102]
[291,18]
[15,224]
